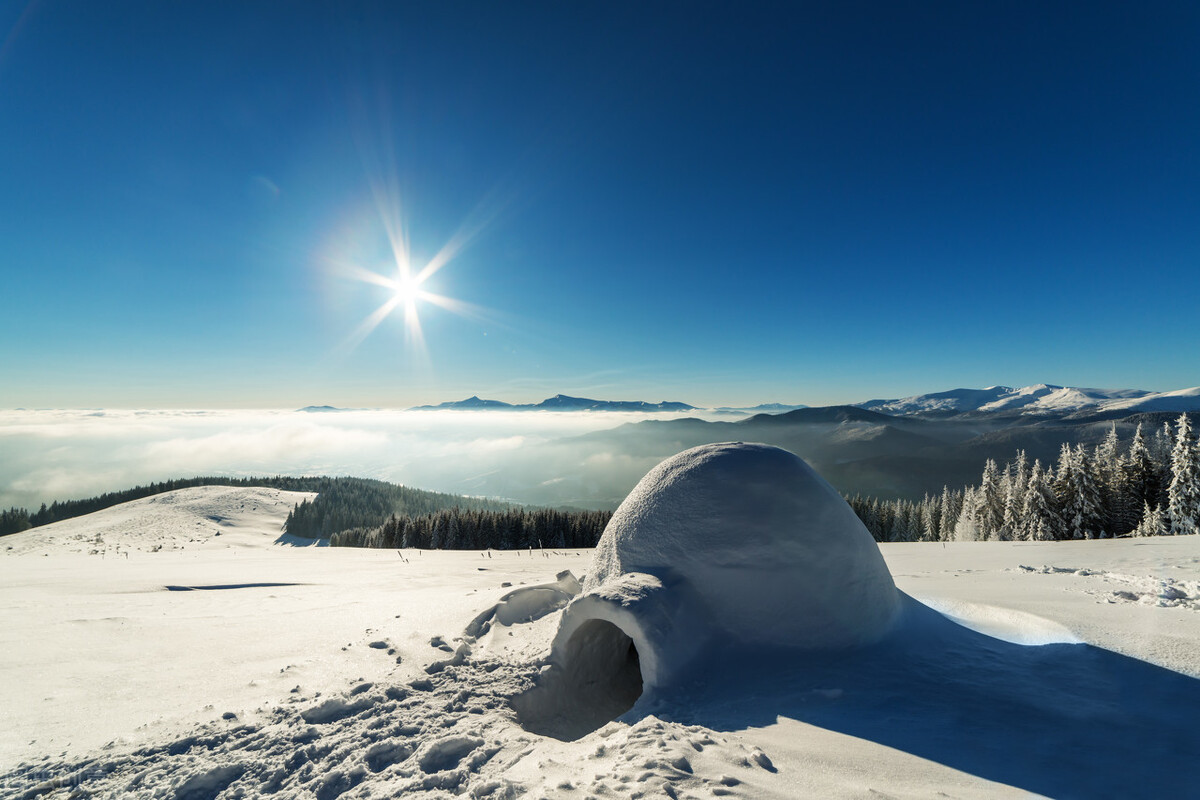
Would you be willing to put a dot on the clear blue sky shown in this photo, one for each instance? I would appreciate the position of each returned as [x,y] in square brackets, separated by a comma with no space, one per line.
[716,203]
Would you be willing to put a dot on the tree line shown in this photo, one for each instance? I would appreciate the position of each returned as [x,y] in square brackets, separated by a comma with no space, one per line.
[1149,486]
[481,529]
[357,504]
[341,502]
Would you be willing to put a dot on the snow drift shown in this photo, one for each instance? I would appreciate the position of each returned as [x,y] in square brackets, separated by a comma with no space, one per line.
[728,545]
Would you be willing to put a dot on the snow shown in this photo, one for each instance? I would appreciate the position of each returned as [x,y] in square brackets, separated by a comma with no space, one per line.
[220,517]
[1179,400]
[1040,399]
[1065,669]
[951,401]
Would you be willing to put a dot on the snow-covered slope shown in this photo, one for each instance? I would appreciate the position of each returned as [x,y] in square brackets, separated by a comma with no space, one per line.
[1038,400]
[1179,400]
[955,400]
[305,672]
[202,516]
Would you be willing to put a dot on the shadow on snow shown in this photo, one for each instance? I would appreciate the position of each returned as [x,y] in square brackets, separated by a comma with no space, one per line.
[1064,720]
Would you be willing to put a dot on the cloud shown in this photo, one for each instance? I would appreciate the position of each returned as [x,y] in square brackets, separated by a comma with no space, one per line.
[524,456]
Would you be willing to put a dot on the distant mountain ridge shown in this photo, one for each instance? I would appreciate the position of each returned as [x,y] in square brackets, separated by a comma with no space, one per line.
[560,402]
[1039,400]
[761,408]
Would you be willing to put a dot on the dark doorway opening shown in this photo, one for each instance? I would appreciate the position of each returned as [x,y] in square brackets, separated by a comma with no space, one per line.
[601,679]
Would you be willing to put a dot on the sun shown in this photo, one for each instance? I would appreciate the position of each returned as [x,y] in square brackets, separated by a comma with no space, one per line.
[404,288]
[406,291]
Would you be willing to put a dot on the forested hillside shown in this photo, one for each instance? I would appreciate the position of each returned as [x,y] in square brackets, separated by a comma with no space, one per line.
[467,529]
[1147,486]
[356,503]
[341,503]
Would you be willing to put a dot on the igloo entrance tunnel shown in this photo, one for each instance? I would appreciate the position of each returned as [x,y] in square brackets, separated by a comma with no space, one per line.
[720,547]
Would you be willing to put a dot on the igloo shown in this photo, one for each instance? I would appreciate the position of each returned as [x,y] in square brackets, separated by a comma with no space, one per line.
[724,545]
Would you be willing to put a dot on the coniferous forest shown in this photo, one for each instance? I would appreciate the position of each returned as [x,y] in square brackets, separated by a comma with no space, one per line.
[1147,486]
[468,529]
[346,504]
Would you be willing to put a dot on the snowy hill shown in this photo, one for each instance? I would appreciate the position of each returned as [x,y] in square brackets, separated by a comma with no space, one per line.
[202,516]
[1037,400]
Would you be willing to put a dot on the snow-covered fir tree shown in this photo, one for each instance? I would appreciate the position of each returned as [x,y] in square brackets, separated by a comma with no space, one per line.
[1142,486]
[951,507]
[1078,496]
[967,527]
[1039,519]
[1162,444]
[1016,480]
[1109,479]
[1151,523]
[1183,495]
[990,511]
[1111,490]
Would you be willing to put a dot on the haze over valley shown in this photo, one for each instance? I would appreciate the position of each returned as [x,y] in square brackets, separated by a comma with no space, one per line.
[587,457]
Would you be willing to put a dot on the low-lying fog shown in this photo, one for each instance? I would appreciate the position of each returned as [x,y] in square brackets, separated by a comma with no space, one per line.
[52,455]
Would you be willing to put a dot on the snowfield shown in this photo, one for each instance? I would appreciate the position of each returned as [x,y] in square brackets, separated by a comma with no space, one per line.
[144,655]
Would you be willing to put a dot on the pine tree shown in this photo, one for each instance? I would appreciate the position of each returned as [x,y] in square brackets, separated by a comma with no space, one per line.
[1107,475]
[1161,446]
[1183,495]
[901,530]
[1152,522]
[1063,484]
[452,540]
[931,514]
[14,520]
[1078,496]
[990,511]
[1039,520]
[1141,485]
[951,506]
[1012,512]
[967,527]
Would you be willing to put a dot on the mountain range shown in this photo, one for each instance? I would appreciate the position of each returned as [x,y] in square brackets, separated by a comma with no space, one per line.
[996,402]
[888,448]
[902,448]
[560,402]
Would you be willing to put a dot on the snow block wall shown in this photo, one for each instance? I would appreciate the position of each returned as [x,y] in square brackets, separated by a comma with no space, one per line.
[725,545]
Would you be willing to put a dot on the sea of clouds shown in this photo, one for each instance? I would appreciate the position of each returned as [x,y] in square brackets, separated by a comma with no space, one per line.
[535,457]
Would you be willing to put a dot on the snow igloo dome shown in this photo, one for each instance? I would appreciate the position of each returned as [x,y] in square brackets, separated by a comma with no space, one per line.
[727,544]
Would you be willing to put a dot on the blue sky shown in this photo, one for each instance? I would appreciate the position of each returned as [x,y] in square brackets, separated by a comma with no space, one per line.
[721,204]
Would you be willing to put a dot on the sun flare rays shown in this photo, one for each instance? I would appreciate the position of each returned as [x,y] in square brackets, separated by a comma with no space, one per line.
[376,248]
[377,256]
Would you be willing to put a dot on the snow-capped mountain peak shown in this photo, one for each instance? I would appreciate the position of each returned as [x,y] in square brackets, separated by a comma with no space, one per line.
[1040,399]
